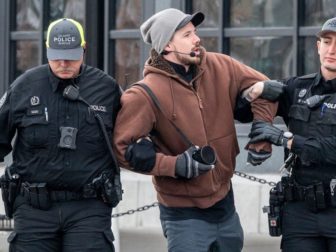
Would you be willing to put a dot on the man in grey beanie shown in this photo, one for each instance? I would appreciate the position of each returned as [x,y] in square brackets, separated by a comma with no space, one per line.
[182,132]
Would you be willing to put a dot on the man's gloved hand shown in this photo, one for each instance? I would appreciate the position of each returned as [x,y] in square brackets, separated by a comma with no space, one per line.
[141,155]
[256,158]
[263,131]
[187,167]
[272,90]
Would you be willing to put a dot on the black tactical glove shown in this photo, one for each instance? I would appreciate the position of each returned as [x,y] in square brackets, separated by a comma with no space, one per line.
[263,131]
[272,90]
[187,167]
[256,158]
[141,155]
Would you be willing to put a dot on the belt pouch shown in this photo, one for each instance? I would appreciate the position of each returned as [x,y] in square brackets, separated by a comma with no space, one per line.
[43,196]
[310,198]
[38,196]
[320,199]
[289,192]
[33,195]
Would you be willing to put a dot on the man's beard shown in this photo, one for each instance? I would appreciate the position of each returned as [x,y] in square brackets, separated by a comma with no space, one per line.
[187,60]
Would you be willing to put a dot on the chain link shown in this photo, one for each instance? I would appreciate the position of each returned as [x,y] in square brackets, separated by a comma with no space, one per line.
[155,204]
[253,178]
[132,211]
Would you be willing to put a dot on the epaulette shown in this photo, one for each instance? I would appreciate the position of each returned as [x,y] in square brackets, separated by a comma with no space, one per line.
[308,76]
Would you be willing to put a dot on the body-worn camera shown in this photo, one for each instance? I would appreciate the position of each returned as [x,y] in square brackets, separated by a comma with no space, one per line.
[68,138]
[205,155]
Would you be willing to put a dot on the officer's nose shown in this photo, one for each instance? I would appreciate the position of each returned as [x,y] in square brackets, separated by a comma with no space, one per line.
[333,48]
[64,63]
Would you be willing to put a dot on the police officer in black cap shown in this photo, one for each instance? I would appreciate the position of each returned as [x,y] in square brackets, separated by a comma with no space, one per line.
[308,106]
[63,182]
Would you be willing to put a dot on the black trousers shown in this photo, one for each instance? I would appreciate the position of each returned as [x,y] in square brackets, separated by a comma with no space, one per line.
[307,231]
[83,225]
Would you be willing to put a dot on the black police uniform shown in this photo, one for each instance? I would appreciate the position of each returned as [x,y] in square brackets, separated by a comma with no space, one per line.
[35,109]
[309,218]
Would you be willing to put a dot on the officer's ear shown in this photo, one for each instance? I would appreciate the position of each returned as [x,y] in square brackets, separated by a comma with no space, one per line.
[84,52]
[84,48]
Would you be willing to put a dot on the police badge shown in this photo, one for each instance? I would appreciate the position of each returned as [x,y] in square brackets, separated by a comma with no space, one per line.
[302,93]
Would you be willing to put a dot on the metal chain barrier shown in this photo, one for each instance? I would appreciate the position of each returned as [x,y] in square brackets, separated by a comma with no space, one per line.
[132,211]
[155,204]
[253,178]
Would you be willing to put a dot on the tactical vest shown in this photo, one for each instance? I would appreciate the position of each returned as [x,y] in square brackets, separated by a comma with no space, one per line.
[312,122]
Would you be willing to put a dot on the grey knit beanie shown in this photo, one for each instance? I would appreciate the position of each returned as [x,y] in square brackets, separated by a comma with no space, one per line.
[160,28]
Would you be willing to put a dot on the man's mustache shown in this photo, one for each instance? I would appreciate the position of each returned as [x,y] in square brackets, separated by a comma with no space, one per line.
[66,69]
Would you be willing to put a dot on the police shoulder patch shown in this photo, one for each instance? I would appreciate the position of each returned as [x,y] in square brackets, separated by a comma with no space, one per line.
[3,99]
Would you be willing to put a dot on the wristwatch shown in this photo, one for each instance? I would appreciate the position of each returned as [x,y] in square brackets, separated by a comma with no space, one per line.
[286,137]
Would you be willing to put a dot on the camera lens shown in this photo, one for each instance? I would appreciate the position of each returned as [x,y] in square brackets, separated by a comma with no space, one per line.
[67,140]
[205,155]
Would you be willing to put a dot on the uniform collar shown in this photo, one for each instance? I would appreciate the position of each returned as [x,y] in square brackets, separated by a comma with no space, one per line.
[56,82]
[328,86]
[318,79]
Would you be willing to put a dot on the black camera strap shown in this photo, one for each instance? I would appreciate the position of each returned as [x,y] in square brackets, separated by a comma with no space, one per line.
[72,93]
[157,104]
[108,143]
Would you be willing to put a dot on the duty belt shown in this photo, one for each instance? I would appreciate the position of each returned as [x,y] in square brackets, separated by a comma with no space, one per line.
[39,190]
[316,196]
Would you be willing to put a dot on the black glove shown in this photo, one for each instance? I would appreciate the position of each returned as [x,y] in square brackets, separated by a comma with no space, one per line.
[141,155]
[272,90]
[256,158]
[263,131]
[187,167]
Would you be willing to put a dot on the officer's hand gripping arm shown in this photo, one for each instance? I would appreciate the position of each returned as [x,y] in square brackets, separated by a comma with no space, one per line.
[263,131]
[272,90]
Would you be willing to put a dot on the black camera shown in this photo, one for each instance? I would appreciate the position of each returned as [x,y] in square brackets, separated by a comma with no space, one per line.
[68,138]
[205,155]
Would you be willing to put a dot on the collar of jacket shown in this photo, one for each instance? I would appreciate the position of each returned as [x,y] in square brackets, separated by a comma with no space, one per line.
[55,81]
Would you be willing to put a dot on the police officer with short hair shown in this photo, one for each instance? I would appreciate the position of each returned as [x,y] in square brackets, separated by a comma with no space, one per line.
[308,106]
[61,186]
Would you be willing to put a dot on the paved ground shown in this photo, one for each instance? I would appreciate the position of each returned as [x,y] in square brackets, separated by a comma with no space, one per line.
[151,240]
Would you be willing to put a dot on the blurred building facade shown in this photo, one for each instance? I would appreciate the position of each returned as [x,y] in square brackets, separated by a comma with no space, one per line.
[276,37]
